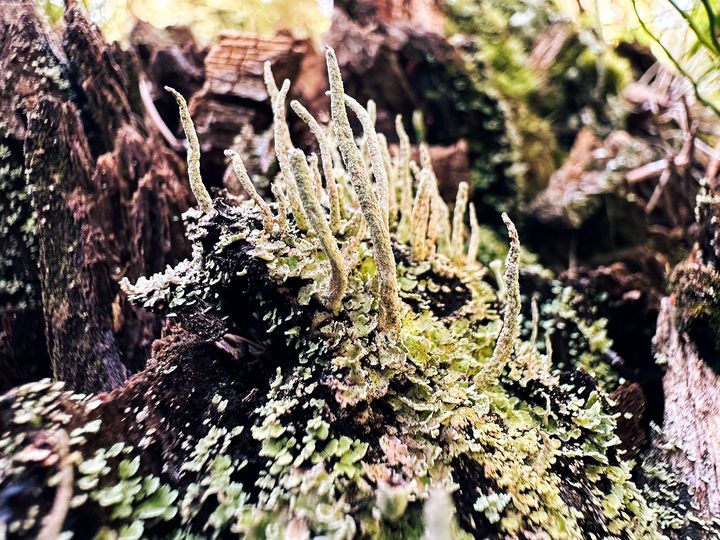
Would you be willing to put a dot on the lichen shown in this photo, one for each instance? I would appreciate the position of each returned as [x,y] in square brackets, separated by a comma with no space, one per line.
[405,406]
[193,154]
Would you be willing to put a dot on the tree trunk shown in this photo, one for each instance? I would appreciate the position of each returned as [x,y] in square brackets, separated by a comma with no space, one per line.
[106,199]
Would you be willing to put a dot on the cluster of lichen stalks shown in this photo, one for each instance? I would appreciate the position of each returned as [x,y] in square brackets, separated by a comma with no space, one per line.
[439,374]
[403,406]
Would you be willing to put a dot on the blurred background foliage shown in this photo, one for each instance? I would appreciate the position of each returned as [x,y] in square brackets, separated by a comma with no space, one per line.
[682,33]
[306,18]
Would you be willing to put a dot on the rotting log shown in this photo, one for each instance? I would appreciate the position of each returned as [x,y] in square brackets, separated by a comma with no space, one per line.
[692,413]
[73,276]
[115,182]
[202,378]
[233,97]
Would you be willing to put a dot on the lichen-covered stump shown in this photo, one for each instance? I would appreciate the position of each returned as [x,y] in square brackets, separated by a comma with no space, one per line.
[321,383]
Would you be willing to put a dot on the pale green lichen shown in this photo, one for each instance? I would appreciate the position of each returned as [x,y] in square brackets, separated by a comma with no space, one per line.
[193,154]
[474,242]
[420,218]
[249,187]
[374,153]
[283,145]
[308,195]
[373,212]
[449,426]
[327,162]
[404,181]
[458,229]
[510,330]
[108,477]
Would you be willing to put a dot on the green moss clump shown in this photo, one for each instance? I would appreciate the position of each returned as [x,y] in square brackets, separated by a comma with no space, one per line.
[544,106]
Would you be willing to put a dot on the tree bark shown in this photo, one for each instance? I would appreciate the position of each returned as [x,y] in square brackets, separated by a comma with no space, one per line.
[692,412]
[107,193]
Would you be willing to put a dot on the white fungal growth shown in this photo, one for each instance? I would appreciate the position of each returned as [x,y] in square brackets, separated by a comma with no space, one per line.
[458,227]
[337,287]
[374,151]
[247,184]
[327,161]
[389,298]
[193,155]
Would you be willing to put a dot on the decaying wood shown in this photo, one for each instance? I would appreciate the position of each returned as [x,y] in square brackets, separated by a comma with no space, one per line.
[23,353]
[421,13]
[234,97]
[107,192]
[235,65]
[692,412]
[87,125]
[73,275]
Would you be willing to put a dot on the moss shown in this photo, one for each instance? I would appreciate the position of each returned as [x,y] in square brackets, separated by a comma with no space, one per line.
[543,108]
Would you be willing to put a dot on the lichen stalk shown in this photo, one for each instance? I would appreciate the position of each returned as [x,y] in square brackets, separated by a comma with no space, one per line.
[247,184]
[458,228]
[193,155]
[283,145]
[372,111]
[390,172]
[474,243]
[374,151]
[326,159]
[420,218]
[282,202]
[389,298]
[404,180]
[535,318]
[425,158]
[270,83]
[313,162]
[438,226]
[350,250]
[332,299]
[510,330]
